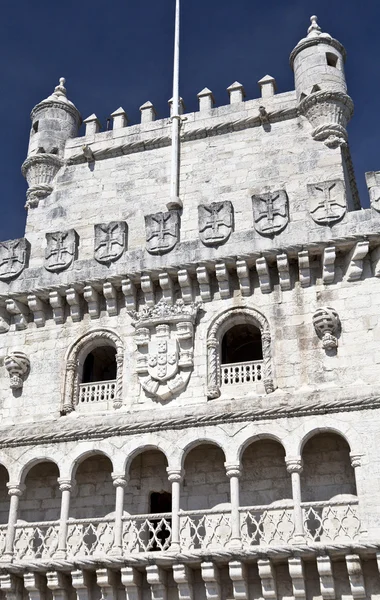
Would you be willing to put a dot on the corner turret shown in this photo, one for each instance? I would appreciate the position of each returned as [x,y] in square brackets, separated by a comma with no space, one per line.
[318,64]
[54,121]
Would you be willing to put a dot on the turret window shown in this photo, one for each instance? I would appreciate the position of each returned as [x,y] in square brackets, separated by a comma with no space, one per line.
[242,355]
[100,365]
[332,59]
[35,126]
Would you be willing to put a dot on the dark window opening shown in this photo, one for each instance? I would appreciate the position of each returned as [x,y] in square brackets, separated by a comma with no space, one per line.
[100,365]
[54,151]
[241,343]
[303,96]
[332,59]
[160,502]
[35,126]
[315,88]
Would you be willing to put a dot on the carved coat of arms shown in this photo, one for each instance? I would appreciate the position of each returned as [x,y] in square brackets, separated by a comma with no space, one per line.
[373,184]
[327,201]
[270,212]
[162,231]
[215,222]
[164,335]
[110,241]
[61,250]
[14,255]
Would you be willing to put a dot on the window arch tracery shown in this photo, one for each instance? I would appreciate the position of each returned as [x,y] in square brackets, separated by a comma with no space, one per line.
[224,322]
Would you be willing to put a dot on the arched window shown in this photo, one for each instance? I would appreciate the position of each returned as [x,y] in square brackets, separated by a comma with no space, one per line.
[94,371]
[239,351]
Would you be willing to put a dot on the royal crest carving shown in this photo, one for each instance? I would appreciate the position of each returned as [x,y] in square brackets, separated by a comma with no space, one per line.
[215,222]
[110,241]
[61,250]
[327,324]
[327,201]
[162,231]
[270,212]
[14,256]
[164,335]
[17,365]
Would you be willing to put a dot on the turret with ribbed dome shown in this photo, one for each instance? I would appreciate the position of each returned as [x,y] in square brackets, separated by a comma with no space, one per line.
[54,121]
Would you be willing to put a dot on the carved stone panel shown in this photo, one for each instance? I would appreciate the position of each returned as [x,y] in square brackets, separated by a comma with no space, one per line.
[327,324]
[17,365]
[110,241]
[165,339]
[327,201]
[61,250]
[270,212]
[14,256]
[215,222]
[162,231]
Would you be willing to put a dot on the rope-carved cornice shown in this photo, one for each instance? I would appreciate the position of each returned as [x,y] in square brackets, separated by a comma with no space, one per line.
[29,436]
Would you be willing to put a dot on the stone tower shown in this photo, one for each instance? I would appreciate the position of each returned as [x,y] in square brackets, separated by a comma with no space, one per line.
[190,397]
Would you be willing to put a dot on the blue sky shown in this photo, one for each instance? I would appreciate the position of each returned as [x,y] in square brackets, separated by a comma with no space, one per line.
[119,52]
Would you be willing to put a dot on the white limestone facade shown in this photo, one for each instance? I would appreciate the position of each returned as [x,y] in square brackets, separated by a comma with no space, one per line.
[190,399]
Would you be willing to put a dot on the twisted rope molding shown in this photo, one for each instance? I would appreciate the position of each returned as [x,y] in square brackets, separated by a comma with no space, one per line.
[170,558]
[254,414]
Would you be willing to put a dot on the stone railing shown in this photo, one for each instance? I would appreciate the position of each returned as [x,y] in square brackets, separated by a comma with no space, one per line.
[245,372]
[98,391]
[333,521]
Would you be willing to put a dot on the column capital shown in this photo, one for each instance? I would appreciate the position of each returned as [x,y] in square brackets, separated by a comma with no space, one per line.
[175,475]
[65,485]
[119,480]
[356,459]
[294,464]
[15,489]
[233,470]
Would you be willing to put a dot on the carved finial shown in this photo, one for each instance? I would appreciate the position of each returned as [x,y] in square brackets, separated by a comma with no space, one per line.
[60,89]
[314,28]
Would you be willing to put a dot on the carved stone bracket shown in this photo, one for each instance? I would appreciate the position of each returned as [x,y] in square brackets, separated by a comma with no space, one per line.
[17,365]
[164,335]
[326,324]
[328,113]
[40,171]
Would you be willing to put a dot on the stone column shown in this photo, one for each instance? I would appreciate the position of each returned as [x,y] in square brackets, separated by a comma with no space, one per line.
[120,482]
[233,473]
[15,491]
[65,487]
[356,463]
[175,477]
[213,390]
[294,467]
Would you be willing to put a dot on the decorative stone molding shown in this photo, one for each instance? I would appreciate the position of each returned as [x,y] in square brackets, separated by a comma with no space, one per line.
[219,326]
[164,335]
[14,256]
[215,222]
[326,324]
[294,465]
[162,231]
[40,171]
[110,241]
[17,365]
[328,113]
[270,212]
[74,361]
[61,250]
[327,201]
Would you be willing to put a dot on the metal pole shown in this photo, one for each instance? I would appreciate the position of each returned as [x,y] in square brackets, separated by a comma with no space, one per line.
[175,202]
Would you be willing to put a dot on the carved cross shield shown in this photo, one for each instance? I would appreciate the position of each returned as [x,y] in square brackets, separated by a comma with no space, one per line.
[14,255]
[61,250]
[215,222]
[327,201]
[270,212]
[163,359]
[110,241]
[162,231]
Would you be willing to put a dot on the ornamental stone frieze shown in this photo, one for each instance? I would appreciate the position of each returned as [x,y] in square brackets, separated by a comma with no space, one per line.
[327,325]
[164,335]
[327,201]
[61,250]
[215,222]
[110,241]
[162,231]
[270,212]
[14,256]
[17,365]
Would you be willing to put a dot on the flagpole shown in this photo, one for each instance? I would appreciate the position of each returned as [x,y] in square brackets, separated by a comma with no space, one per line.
[175,202]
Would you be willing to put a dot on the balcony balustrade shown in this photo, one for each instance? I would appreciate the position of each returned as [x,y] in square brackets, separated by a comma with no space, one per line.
[98,391]
[245,372]
[327,522]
